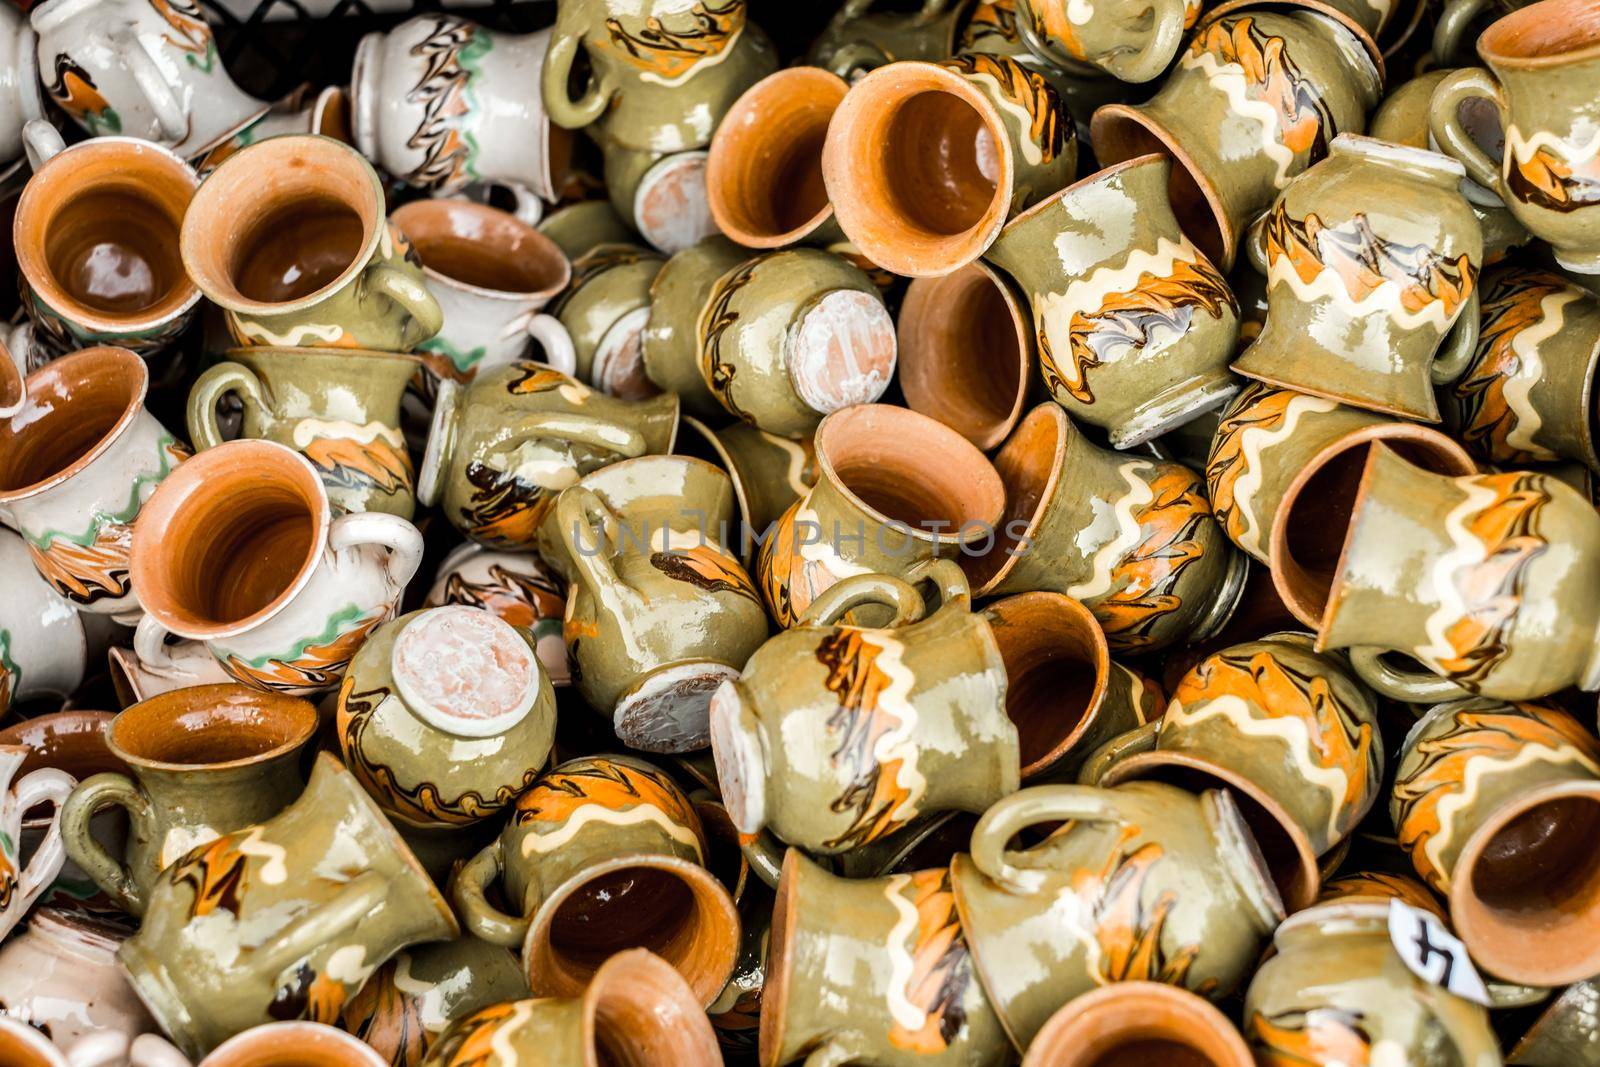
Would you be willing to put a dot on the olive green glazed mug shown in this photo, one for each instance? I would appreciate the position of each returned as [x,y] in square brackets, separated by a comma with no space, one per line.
[670,343]
[604,309]
[858,39]
[1131,40]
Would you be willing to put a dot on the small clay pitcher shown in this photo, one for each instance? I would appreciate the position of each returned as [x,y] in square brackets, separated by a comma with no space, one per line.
[670,343]
[913,997]
[516,586]
[492,274]
[205,761]
[23,883]
[992,136]
[1282,476]
[1337,991]
[246,555]
[1134,325]
[1479,589]
[60,976]
[1146,882]
[1371,257]
[1131,40]
[340,409]
[893,490]
[108,196]
[47,647]
[635,1012]
[289,237]
[604,310]
[1133,539]
[603,850]
[1489,799]
[445,716]
[76,466]
[1132,1023]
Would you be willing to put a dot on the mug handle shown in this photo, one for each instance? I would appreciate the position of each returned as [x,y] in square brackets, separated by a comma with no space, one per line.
[93,795]
[353,903]
[1255,243]
[385,279]
[859,590]
[401,538]
[44,786]
[1040,803]
[213,385]
[946,576]
[1454,21]
[42,142]
[764,855]
[150,646]
[480,918]
[170,114]
[1444,122]
[1134,742]
[579,510]
[555,342]
[1169,33]
[563,110]
[581,429]
[526,204]
[1460,344]
[1411,687]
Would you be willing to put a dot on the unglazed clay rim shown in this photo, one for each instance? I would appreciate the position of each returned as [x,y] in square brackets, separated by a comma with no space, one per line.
[453,725]
[447,206]
[1047,492]
[628,961]
[1510,23]
[1138,999]
[774,989]
[280,1035]
[676,671]
[263,701]
[605,365]
[134,408]
[810,364]
[652,176]
[744,784]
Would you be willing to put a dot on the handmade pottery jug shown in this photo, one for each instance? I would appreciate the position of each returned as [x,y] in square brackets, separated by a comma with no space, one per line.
[339,408]
[857,39]
[1337,991]
[22,883]
[47,647]
[1138,1022]
[205,761]
[1146,882]
[604,310]
[21,100]
[289,237]
[76,466]
[636,1010]
[1282,476]
[1134,325]
[133,681]
[1131,40]
[1337,326]
[987,132]
[607,848]
[246,555]
[1154,566]
[445,716]
[111,197]
[60,976]
[669,345]
[515,586]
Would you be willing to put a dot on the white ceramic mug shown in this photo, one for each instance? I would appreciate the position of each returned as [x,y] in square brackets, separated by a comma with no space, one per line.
[21,885]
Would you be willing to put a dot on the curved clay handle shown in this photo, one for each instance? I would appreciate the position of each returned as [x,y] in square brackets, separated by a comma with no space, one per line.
[480,918]
[1444,122]
[1149,62]
[150,645]
[93,795]
[1411,687]
[212,386]
[563,110]
[42,142]
[1132,743]
[1460,344]
[1017,812]
[402,539]
[947,577]
[328,923]
[1454,21]
[170,113]
[581,429]
[1255,243]
[859,590]
[764,854]
[406,290]
[44,786]
[586,525]
[526,205]
[555,342]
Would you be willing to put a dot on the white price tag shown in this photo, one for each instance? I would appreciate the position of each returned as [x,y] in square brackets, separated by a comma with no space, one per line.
[1433,953]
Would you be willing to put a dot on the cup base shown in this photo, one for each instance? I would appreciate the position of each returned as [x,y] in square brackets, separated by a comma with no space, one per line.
[670,208]
[1167,414]
[669,711]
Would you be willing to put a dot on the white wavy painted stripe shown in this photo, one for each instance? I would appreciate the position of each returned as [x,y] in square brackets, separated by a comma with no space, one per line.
[1523,147]
[274,869]
[1255,440]
[898,743]
[796,455]
[820,554]
[643,813]
[1385,299]
[1031,152]
[308,430]
[181,840]
[348,964]
[901,963]
[699,65]
[1135,690]
[1128,533]
[505,1051]
[1468,552]
[1229,79]
[666,539]
[293,337]
[1530,370]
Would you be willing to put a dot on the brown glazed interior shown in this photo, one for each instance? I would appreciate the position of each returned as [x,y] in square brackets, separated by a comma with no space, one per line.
[1313,520]
[71,741]
[11,390]
[1121,132]
[764,174]
[1057,664]
[1556,31]
[1138,1024]
[211,727]
[964,352]
[1029,465]
[228,538]
[483,248]
[96,233]
[902,466]
[77,406]
[281,221]
[638,1012]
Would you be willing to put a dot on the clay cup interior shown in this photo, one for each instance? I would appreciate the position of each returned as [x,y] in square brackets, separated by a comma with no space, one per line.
[213,727]
[483,250]
[76,407]
[1138,1024]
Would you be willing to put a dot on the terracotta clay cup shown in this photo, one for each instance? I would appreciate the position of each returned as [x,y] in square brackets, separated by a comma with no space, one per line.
[670,342]
[204,761]
[1131,1023]
[113,198]
[1377,337]
[47,647]
[246,555]
[1489,800]
[289,237]
[1145,882]
[1134,326]
[1131,40]
[445,716]
[604,310]
[1133,539]
[1282,476]
[1256,98]
[1478,588]
[1544,61]
[277,1044]
[636,1012]
[604,853]
[990,135]
[519,588]
[911,992]
[764,173]
[21,884]
[894,489]
[60,976]
[965,352]
[76,466]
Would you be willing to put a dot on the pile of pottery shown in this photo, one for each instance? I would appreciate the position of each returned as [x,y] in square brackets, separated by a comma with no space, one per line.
[1042,531]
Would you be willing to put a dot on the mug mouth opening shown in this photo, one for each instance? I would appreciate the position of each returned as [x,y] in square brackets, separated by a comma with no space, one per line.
[296,1043]
[638,1010]
[210,728]
[1548,34]
[74,409]
[780,960]
[482,250]
[1149,1021]
[1030,465]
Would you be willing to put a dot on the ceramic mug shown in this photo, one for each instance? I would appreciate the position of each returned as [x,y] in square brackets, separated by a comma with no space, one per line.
[669,344]
[1134,326]
[339,408]
[987,132]
[1138,1022]
[1377,337]
[1133,539]
[245,555]
[661,195]
[445,716]
[1257,97]
[140,68]
[1282,474]
[327,112]
[604,310]
[60,976]
[47,646]
[519,588]
[1131,40]
[277,1044]
[858,39]
[289,237]
[602,850]
[1542,59]
[1146,882]
[111,197]
[22,883]
[133,681]
[76,467]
